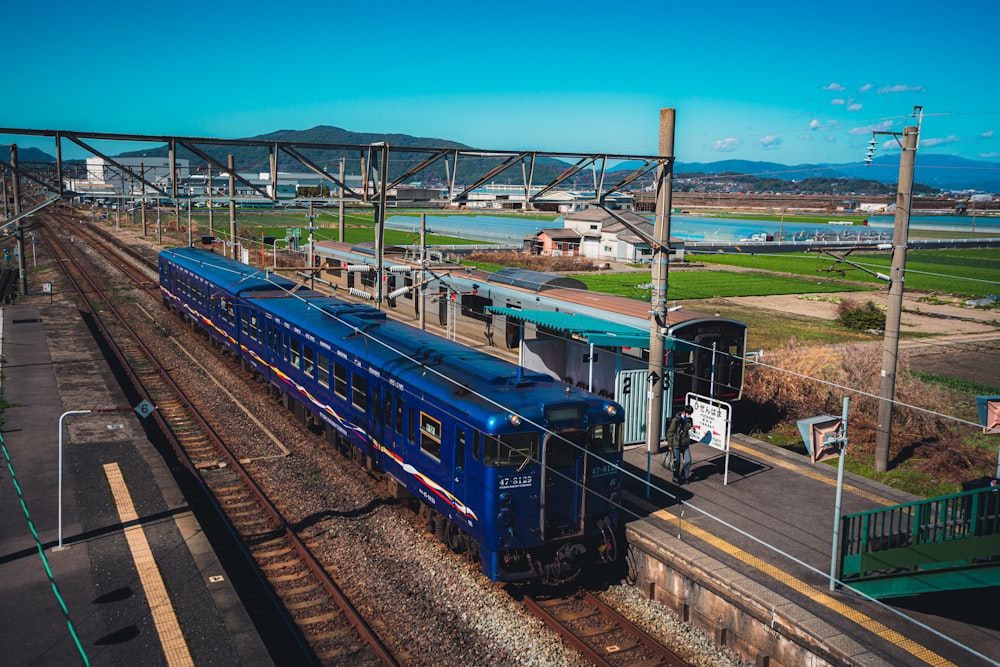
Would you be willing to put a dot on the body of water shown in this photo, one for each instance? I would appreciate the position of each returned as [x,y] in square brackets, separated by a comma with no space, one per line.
[511,230]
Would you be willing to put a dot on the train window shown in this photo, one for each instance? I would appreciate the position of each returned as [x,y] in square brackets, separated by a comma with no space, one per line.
[430,435]
[408,282]
[359,391]
[460,449]
[399,413]
[563,449]
[273,336]
[443,309]
[293,349]
[603,439]
[230,313]
[308,361]
[323,369]
[475,445]
[376,406]
[340,380]
[411,426]
[474,306]
[510,449]
[387,402]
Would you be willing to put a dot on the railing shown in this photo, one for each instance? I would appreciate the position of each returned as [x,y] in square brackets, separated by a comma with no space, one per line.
[942,543]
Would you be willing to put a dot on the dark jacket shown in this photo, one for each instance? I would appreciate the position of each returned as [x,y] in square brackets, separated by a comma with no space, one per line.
[678,433]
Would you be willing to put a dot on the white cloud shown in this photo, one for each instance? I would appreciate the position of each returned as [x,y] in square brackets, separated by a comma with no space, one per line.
[770,142]
[989,156]
[865,88]
[727,145]
[900,88]
[834,86]
[937,141]
[884,126]
[854,106]
[988,134]
[814,124]
[838,101]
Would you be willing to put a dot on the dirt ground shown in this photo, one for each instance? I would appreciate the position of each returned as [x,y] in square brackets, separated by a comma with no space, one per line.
[961,343]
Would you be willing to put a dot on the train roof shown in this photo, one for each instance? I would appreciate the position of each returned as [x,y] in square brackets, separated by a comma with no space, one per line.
[235,277]
[535,281]
[407,353]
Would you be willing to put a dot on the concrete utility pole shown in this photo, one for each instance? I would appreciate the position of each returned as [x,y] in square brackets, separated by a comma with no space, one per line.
[658,295]
[890,346]
[231,165]
[22,269]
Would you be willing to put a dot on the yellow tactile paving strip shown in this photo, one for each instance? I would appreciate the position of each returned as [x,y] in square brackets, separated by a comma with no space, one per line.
[174,646]
[805,589]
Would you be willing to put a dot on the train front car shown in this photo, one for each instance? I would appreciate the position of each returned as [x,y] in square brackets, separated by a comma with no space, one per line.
[552,481]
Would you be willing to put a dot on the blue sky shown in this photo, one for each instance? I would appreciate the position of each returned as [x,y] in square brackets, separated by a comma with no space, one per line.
[782,82]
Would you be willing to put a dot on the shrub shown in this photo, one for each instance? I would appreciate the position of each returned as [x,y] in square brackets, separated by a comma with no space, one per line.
[861,318]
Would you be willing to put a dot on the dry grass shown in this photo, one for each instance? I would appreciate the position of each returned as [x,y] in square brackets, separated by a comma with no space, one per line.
[921,440]
[535,262]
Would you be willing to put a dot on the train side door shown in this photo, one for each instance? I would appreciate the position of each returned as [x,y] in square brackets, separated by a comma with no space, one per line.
[458,469]
[564,464]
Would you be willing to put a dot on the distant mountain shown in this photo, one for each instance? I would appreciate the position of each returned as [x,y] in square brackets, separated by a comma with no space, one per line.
[26,154]
[945,172]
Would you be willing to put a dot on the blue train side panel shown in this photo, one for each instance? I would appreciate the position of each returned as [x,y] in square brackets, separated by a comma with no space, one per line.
[522,468]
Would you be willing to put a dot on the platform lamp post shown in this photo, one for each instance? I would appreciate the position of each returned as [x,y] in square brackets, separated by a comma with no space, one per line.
[826,437]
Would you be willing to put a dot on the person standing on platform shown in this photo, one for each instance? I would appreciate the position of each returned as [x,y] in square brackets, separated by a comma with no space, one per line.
[679,440]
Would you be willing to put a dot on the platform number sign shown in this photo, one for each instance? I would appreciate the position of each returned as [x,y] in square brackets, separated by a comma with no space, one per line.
[144,409]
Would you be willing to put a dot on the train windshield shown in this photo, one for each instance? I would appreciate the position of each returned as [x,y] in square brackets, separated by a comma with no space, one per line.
[603,439]
[511,449]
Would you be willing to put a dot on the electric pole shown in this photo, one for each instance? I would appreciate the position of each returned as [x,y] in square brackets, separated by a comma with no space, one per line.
[658,293]
[890,346]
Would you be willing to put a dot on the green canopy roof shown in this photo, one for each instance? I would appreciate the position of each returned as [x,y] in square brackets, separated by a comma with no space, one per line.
[594,330]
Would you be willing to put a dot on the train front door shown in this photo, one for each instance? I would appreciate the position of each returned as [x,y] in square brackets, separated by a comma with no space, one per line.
[564,463]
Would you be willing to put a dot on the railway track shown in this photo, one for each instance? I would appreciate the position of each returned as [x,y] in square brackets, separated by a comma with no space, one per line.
[322,617]
[600,633]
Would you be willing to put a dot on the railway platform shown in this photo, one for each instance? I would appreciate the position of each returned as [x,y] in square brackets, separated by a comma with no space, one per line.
[101,559]
[749,561]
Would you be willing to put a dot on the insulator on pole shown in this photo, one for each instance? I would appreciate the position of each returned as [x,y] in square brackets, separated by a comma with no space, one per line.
[359,268]
[354,291]
[396,293]
[399,269]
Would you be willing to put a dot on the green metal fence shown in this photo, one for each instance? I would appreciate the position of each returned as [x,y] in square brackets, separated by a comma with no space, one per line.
[937,544]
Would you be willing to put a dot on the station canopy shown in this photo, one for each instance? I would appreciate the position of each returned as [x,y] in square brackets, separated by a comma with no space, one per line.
[591,329]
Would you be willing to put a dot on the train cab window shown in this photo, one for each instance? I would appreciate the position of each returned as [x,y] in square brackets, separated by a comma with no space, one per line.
[340,380]
[359,391]
[510,449]
[430,435]
[475,444]
[295,357]
[460,449]
[323,369]
[308,361]
[603,439]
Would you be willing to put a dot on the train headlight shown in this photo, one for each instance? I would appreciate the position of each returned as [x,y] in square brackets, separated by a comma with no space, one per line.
[505,518]
[612,410]
[515,420]
[505,498]
[615,483]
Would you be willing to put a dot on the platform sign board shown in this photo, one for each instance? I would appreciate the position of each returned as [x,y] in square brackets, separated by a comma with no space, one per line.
[711,423]
[989,413]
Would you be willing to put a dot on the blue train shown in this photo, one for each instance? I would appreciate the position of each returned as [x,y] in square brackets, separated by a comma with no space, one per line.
[518,469]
